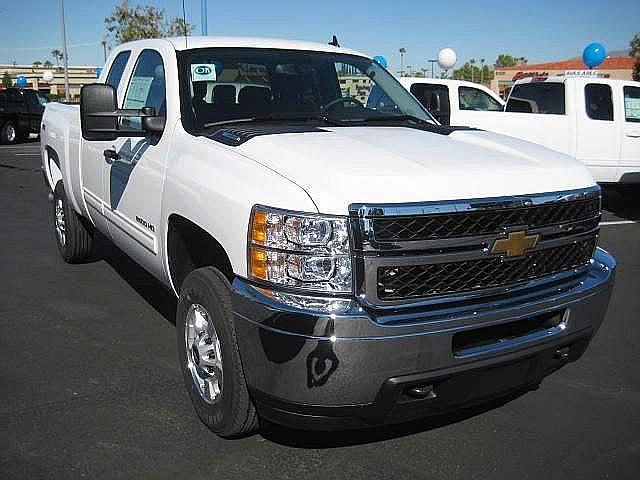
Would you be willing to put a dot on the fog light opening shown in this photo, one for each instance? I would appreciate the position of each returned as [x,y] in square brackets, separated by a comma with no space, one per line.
[421,392]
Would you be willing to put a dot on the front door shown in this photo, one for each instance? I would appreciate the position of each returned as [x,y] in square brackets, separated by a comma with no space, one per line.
[629,169]
[133,179]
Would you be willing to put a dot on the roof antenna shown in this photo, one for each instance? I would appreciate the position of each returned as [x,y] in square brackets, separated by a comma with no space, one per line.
[184,20]
[334,41]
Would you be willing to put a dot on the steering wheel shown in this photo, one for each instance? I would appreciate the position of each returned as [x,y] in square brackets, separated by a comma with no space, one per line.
[349,99]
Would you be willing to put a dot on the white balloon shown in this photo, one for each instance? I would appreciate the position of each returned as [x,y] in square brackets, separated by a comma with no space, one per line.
[47,76]
[447,58]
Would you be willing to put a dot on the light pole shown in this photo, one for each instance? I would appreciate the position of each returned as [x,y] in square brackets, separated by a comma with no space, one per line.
[432,71]
[104,49]
[67,96]
[402,52]
[203,15]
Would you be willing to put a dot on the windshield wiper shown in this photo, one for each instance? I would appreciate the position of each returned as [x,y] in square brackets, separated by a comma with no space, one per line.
[388,118]
[274,117]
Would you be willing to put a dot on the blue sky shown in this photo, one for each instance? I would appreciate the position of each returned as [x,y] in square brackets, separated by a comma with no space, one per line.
[541,30]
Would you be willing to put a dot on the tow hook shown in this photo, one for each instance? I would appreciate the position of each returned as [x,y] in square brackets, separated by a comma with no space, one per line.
[561,354]
[423,391]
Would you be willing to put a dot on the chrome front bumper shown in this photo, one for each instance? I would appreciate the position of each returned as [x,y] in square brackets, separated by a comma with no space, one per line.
[305,367]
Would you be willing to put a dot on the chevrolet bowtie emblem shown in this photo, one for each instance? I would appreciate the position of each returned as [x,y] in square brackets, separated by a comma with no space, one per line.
[516,244]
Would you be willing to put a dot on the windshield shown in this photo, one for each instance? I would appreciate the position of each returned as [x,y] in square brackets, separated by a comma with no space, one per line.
[227,84]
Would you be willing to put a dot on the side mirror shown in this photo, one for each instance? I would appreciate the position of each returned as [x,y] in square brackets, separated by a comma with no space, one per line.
[99,115]
[98,98]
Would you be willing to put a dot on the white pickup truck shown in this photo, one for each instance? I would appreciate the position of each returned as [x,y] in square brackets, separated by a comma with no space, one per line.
[335,266]
[595,120]
[455,102]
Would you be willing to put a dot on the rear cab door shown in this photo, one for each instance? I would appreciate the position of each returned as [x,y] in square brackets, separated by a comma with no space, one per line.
[629,168]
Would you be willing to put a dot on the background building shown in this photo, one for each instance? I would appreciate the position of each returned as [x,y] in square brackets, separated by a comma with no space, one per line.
[619,67]
[78,76]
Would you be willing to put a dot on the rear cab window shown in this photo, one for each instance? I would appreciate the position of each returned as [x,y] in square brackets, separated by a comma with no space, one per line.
[537,97]
[598,101]
[117,69]
[632,104]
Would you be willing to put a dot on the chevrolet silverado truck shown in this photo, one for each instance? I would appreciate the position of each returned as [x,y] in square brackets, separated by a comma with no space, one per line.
[335,266]
[595,120]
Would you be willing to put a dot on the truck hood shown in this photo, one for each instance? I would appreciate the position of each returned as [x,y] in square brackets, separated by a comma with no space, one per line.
[343,165]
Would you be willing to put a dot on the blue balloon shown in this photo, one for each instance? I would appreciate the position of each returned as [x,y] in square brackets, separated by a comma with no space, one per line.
[21,81]
[594,54]
[380,60]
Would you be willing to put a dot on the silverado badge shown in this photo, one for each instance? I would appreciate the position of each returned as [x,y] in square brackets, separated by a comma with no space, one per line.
[516,244]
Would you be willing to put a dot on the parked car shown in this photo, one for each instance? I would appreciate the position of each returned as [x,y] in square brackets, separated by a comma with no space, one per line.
[20,113]
[595,120]
[454,102]
[335,266]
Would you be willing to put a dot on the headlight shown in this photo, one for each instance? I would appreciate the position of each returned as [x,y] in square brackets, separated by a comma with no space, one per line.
[299,250]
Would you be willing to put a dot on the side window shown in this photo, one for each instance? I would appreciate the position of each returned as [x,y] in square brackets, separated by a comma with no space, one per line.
[598,103]
[117,69]
[632,104]
[434,98]
[475,99]
[537,97]
[146,87]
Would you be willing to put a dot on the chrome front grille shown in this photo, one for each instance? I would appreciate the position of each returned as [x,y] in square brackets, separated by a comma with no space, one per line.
[481,222]
[416,252]
[415,281]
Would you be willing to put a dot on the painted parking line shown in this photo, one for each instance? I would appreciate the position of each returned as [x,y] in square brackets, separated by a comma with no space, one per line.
[27,154]
[619,222]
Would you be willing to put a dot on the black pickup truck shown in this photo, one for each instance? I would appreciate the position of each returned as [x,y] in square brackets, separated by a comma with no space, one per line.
[20,113]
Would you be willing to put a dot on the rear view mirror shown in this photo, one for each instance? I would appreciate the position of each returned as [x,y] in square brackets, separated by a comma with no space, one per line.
[99,115]
[98,98]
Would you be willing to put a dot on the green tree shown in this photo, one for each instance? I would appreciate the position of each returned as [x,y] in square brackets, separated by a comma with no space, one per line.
[37,63]
[135,22]
[57,56]
[6,80]
[47,63]
[634,52]
[506,60]
[471,73]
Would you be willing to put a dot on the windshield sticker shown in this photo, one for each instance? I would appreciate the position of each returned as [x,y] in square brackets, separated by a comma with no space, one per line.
[138,92]
[203,72]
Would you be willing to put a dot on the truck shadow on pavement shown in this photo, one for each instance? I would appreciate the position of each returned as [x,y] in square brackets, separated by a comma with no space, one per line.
[145,284]
[623,203]
[344,438]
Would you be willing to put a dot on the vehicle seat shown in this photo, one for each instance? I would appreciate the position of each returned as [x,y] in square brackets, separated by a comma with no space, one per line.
[254,100]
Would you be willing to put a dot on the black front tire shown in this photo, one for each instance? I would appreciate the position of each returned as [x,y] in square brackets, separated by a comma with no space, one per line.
[74,235]
[9,133]
[233,414]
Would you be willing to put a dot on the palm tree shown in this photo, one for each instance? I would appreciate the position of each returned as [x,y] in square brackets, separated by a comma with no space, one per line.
[482,70]
[57,55]
[402,52]
[472,62]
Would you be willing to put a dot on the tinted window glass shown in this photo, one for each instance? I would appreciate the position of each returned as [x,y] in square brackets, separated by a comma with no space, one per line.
[598,104]
[146,87]
[222,84]
[539,97]
[117,68]
[435,98]
[475,99]
[632,104]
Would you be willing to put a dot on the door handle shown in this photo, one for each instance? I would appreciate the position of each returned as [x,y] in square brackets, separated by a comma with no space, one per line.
[634,134]
[111,154]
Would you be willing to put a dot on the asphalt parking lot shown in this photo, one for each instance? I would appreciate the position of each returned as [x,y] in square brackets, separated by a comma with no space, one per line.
[90,387]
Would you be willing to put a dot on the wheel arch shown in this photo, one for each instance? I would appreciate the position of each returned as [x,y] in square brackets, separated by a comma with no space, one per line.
[190,247]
